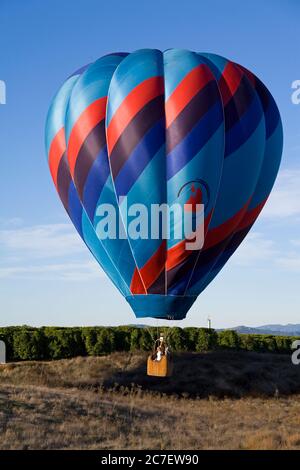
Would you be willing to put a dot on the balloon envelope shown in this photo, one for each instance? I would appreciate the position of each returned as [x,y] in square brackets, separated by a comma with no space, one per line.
[154,128]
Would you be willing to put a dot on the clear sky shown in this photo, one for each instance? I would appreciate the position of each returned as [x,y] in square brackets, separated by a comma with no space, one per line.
[47,276]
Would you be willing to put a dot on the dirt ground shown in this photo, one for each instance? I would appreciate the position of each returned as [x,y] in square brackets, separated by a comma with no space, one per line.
[214,401]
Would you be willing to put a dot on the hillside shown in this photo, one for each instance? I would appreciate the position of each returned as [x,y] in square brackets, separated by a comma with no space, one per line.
[214,400]
[277,330]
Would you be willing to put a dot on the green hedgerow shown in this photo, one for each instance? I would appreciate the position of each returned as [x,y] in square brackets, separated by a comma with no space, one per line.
[207,340]
[228,339]
[27,343]
[64,342]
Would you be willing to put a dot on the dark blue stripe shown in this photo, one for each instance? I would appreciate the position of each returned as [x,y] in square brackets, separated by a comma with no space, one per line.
[220,262]
[272,118]
[201,268]
[210,262]
[194,141]
[75,209]
[80,71]
[95,181]
[140,157]
[244,128]
[272,115]
[116,54]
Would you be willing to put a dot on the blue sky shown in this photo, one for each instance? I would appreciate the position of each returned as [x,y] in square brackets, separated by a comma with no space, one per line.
[47,276]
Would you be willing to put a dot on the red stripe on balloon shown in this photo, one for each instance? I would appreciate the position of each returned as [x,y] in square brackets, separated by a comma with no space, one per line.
[192,84]
[251,77]
[178,253]
[250,216]
[90,117]
[57,149]
[246,222]
[217,234]
[229,81]
[132,104]
[136,286]
[150,271]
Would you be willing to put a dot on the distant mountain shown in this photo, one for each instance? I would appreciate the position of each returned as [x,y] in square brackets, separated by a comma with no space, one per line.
[277,330]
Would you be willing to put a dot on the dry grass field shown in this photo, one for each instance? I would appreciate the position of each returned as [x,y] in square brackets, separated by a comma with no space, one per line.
[221,400]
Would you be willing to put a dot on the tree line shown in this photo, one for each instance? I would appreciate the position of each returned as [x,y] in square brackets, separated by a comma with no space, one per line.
[46,343]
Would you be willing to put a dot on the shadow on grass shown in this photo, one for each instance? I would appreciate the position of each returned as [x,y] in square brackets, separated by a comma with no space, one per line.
[220,374]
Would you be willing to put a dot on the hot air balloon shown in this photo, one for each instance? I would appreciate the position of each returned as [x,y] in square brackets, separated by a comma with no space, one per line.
[161,128]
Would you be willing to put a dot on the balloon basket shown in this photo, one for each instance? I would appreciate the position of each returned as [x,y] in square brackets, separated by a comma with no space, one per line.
[162,368]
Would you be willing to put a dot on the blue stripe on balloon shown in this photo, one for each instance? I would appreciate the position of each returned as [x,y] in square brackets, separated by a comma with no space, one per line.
[215,62]
[199,276]
[174,74]
[272,155]
[75,209]
[205,274]
[151,185]
[122,256]
[103,258]
[149,189]
[194,141]
[243,129]
[239,177]
[92,85]
[206,164]
[269,170]
[95,182]
[80,70]
[202,277]
[56,114]
[140,157]
[134,69]
[118,249]
[272,117]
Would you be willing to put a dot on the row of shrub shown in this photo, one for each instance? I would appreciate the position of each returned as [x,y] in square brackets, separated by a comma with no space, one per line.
[27,343]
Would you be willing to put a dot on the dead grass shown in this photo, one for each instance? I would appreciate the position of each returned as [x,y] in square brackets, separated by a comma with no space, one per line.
[109,403]
[220,374]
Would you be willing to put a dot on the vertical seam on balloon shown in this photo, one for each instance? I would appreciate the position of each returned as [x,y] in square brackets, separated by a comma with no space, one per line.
[115,192]
[249,200]
[251,215]
[252,80]
[166,180]
[203,83]
[217,193]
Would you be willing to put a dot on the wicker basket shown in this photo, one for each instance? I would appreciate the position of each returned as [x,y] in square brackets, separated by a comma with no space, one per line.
[162,368]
